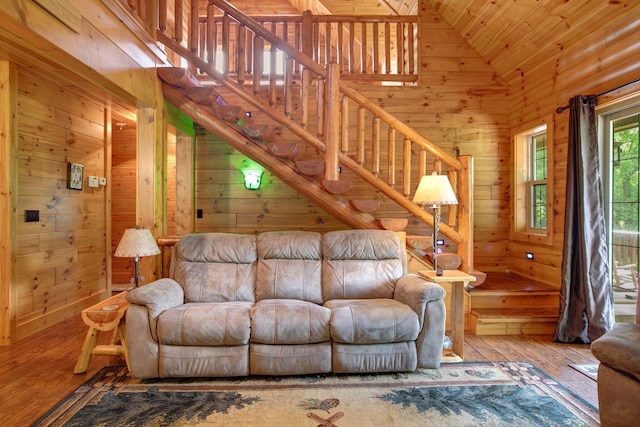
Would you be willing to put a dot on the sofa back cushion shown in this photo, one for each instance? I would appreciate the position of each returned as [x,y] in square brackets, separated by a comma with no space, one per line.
[216,267]
[361,264]
[289,266]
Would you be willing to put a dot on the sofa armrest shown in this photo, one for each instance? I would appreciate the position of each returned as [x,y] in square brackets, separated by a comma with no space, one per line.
[416,292]
[158,296]
[619,349]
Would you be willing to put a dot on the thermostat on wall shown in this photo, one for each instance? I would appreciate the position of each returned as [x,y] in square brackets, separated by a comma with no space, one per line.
[93,181]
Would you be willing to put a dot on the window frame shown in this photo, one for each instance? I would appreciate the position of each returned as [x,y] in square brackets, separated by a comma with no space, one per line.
[522,185]
[532,182]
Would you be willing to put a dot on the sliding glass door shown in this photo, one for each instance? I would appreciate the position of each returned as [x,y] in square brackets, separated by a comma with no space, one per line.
[621,133]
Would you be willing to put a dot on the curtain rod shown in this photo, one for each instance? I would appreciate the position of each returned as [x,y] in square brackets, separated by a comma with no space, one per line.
[559,110]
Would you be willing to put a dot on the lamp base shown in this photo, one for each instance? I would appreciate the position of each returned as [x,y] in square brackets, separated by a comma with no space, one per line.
[439,271]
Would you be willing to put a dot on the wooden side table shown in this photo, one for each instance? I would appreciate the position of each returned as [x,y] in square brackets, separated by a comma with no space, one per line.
[459,280]
[106,316]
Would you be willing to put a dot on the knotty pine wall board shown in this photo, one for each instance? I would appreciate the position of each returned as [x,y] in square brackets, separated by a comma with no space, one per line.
[123,197]
[61,261]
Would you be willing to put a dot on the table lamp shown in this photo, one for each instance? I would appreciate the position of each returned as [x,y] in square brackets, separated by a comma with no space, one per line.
[135,243]
[434,191]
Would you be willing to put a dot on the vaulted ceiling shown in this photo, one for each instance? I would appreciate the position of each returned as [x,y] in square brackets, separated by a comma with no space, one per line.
[513,36]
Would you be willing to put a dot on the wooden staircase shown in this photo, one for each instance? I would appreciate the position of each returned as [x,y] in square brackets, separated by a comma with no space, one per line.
[508,304]
[282,130]
[282,121]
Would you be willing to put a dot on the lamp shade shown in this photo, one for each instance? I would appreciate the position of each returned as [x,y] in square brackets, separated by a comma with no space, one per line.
[435,190]
[137,242]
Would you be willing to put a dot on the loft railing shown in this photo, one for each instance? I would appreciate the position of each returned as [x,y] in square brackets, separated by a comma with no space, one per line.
[367,49]
[348,128]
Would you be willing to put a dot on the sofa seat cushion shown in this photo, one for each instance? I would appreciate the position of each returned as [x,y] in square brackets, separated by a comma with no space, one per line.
[619,349]
[284,321]
[202,324]
[372,321]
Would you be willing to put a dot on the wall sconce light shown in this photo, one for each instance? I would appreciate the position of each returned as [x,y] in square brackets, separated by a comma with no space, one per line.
[252,178]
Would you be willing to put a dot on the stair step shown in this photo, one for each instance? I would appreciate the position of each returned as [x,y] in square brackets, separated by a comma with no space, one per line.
[513,321]
[446,260]
[336,186]
[482,298]
[257,132]
[422,243]
[229,113]
[206,96]
[179,77]
[285,150]
[393,224]
[310,167]
[365,205]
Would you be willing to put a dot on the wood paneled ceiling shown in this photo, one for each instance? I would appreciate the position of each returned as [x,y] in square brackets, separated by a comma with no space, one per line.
[513,36]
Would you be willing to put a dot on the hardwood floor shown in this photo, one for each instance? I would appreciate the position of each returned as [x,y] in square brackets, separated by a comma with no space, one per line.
[37,372]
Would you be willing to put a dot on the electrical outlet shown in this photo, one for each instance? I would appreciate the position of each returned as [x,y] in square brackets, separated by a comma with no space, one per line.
[31,216]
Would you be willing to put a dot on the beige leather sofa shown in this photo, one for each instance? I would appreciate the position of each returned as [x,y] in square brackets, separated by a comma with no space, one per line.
[619,374]
[285,303]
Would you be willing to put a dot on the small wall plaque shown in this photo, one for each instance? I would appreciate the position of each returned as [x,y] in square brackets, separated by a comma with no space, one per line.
[74,176]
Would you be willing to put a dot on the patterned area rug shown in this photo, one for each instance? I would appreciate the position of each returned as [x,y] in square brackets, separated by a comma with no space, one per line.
[461,394]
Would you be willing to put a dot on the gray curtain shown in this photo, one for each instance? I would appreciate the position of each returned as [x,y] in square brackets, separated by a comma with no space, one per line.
[585,296]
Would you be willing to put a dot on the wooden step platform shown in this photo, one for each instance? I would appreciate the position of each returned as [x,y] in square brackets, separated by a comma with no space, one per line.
[508,304]
[513,321]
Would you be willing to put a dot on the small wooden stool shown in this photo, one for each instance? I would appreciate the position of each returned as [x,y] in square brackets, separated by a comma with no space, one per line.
[107,315]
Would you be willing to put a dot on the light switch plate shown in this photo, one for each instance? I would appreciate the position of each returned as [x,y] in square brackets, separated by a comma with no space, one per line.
[103,181]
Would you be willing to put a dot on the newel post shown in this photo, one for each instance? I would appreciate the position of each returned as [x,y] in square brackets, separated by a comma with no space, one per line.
[332,121]
[465,212]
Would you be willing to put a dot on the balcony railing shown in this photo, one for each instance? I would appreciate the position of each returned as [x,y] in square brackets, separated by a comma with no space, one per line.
[369,49]
[624,246]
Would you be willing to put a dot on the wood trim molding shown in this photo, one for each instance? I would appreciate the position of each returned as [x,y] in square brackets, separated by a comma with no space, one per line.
[8,196]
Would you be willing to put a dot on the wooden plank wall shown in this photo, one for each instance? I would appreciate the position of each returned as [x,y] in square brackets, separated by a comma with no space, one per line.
[171,185]
[603,59]
[123,198]
[464,106]
[61,260]
[228,207]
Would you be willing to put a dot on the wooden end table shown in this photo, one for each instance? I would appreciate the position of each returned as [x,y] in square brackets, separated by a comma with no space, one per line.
[459,280]
[105,316]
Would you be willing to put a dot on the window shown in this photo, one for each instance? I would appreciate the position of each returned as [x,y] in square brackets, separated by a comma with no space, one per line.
[532,190]
[537,181]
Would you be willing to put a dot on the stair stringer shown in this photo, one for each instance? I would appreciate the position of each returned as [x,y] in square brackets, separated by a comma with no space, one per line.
[257,151]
